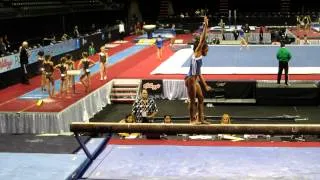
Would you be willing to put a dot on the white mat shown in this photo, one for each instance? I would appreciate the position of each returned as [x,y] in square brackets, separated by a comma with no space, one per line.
[178,41]
[111,45]
[174,65]
[120,42]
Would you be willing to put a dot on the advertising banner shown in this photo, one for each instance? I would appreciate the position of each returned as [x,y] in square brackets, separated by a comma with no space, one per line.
[11,62]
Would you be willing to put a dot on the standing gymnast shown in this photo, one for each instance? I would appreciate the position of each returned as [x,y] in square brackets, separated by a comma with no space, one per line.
[70,78]
[191,81]
[63,67]
[41,70]
[85,63]
[48,72]
[159,44]
[173,31]
[103,63]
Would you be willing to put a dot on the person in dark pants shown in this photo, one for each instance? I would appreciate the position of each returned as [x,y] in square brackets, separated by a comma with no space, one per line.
[24,55]
[235,34]
[121,31]
[261,31]
[283,56]
[144,108]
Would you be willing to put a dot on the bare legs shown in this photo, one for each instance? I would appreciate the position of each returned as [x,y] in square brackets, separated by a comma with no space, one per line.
[103,71]
[159,53]
[196,109]
[64,86]
[244,43]
[85,80]
[43,81]
[50,85]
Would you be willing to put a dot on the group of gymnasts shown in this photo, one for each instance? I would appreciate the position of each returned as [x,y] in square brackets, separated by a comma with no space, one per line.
[304,23]
[68,70]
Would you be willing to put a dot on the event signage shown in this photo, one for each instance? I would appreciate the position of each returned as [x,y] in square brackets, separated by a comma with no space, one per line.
[11,62]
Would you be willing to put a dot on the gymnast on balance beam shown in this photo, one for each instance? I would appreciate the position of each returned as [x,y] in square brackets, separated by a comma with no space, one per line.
[191,81]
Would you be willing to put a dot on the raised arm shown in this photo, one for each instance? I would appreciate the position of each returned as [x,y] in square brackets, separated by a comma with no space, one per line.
[203,34]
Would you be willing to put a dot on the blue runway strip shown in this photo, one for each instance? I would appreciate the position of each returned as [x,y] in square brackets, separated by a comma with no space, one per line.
[38,94]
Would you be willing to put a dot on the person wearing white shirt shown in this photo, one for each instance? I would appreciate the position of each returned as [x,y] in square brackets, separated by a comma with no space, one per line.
[121,30]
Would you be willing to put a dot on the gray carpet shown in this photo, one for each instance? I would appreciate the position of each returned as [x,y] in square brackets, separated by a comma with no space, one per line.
[116,112]
[39,144]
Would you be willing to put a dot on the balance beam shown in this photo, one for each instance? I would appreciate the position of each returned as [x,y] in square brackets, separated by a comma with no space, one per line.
[272,129]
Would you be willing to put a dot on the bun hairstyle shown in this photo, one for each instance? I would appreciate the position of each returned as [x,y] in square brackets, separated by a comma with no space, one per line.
[68,56]
[63,60]
[41,53]
[47,57]
[85,54]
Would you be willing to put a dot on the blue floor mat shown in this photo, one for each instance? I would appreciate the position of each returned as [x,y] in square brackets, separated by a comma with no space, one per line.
[258,56]
[192,162]
[36,166]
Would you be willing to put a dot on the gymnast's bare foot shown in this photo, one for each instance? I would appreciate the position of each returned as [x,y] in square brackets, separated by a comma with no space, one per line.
[202,121]
[195,122]
[205,122]
[194,119]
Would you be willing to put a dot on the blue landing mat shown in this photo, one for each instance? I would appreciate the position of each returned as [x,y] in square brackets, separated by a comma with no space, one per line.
[34,166]
[93,145]
[258,56]
[192,162]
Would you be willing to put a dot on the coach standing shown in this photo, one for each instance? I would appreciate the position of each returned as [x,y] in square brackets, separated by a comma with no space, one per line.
[283,56]
[24,55]
[121,31]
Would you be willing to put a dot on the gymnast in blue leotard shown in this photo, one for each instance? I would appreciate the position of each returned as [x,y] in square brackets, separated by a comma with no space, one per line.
[194,75]
[243,41]
[159,44]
